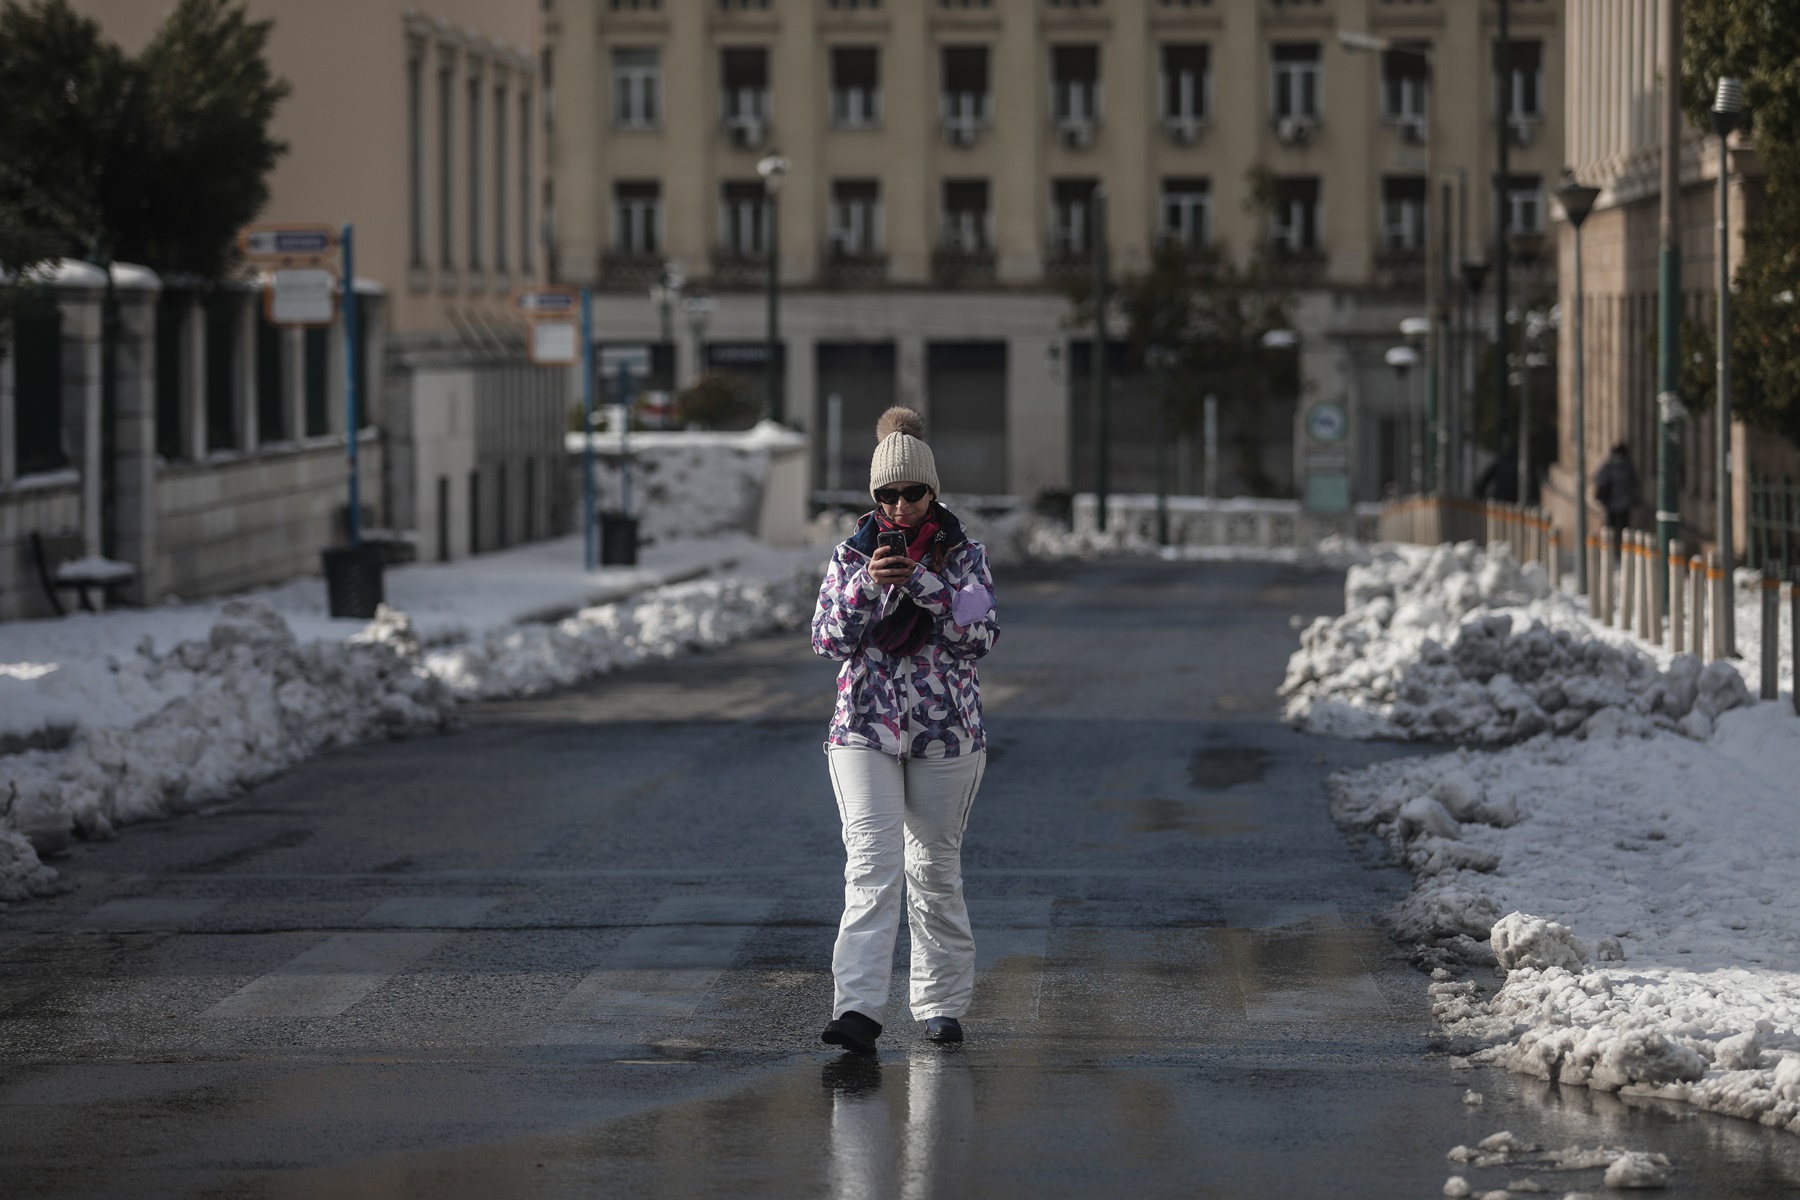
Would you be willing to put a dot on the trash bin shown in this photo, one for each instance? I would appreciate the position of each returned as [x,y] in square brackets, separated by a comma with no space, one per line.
[353,580]
[618,540]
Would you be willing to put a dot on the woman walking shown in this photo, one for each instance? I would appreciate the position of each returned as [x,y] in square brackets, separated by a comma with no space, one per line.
[907,606]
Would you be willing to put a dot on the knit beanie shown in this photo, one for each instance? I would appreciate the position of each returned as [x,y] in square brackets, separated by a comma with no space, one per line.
[901,455]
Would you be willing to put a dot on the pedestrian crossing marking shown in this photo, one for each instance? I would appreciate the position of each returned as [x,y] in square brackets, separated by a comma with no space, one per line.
[333,975]
[656,979]
[147,912]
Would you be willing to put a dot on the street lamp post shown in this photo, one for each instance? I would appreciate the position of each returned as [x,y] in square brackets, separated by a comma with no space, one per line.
[698,306]
[1726,106]
[772,168]
[1434,351]
[1468,431]
[1577,200]
[1418,332]
[663,294]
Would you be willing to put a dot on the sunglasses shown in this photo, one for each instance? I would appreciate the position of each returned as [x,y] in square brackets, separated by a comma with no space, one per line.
[911,495]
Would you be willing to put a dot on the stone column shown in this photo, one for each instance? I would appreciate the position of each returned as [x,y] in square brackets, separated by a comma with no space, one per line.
[134,427]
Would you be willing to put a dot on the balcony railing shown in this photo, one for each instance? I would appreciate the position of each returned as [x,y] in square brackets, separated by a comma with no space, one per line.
[1296,266]
[1400,266]
[731,269]
[962,266]
[625,272]
[843,269]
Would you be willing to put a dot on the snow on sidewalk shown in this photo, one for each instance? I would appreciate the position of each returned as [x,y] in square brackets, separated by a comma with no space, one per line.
[135,714]
[1632,873]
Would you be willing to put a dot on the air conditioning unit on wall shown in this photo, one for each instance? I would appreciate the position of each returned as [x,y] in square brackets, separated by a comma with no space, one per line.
[960,133]
[1296,131]
[1411,129]
[746,133]
[1076,134]
[1183,131]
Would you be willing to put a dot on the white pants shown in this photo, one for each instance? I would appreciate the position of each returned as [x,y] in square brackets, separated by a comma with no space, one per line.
[907,816]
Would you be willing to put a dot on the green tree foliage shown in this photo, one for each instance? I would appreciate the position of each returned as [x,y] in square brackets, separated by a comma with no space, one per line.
[158,160]
[716,400]
[68,114]
[1195,321]
[1757,41]
[209,97]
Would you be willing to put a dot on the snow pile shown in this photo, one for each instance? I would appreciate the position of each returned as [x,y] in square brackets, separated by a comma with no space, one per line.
[687,485]
[127,731]
[1452,643]
[1640,895]
[242,705]
[703,615]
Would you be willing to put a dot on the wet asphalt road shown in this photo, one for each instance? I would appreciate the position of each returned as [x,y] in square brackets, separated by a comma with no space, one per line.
[580,948]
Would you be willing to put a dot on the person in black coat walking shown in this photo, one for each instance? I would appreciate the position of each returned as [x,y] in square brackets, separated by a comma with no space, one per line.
[1616,487]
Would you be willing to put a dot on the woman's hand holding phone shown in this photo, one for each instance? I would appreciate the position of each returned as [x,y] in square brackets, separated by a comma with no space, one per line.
[889,566]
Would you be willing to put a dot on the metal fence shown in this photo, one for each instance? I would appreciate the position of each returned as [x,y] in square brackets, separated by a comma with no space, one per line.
[1428,520]
[1772,530]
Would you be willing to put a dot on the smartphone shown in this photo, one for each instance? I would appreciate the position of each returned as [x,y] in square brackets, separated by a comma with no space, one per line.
[893,539]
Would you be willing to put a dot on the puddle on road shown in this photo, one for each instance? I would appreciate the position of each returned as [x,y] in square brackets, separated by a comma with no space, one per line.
[1158,814]
[1215,768]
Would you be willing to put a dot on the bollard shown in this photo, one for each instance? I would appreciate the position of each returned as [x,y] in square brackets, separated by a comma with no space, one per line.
[1716,585]
[1677,569]
[1644,587]
[1608,559]
[1553,559]
[1592,550]
[1697,607]
[1656,573]
[1771,633]
[1628,562]
[1794,631]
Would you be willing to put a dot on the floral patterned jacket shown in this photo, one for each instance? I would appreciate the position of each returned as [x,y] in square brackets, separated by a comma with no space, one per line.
[925,705]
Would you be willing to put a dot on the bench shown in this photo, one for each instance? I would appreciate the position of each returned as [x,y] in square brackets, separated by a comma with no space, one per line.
[62,567]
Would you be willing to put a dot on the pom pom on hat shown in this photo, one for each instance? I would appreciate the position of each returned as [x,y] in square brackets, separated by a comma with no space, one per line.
[899,420]
[901,455]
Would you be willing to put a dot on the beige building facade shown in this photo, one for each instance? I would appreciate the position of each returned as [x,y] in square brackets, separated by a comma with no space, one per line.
[1614,135]
[942,154]
[423,128]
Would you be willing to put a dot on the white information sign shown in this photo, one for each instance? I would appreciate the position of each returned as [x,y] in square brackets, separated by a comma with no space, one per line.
[302,296]
[555,343]
[635,359]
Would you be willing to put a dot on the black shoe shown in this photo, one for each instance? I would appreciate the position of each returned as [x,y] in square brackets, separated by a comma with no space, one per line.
[943,1029]
[853,1031]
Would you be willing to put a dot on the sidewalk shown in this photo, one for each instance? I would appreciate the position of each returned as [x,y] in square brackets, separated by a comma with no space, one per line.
[1625,865]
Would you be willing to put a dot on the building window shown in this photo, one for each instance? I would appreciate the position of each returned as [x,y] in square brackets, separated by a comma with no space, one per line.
[744,220]
[851,4]
[1525,204]
[968,221]
[1294,216]
[502,180]
[637,88]
[1296,66]
[1074,3]
[315,354]
[1075,86]
[855,87]
[855,218]
[1186,86]
[637,217]
[1069,216]
[1406,88]
[1187,211]
[745,95]
[1403,212]
[447,164]
[1524,87]
[634,5]
[415,158]
[965,3]
[742,5]
[526,207]
[1186,3]
[965,105]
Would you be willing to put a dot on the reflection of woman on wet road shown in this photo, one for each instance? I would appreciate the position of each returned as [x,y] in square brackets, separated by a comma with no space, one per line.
[906,747]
